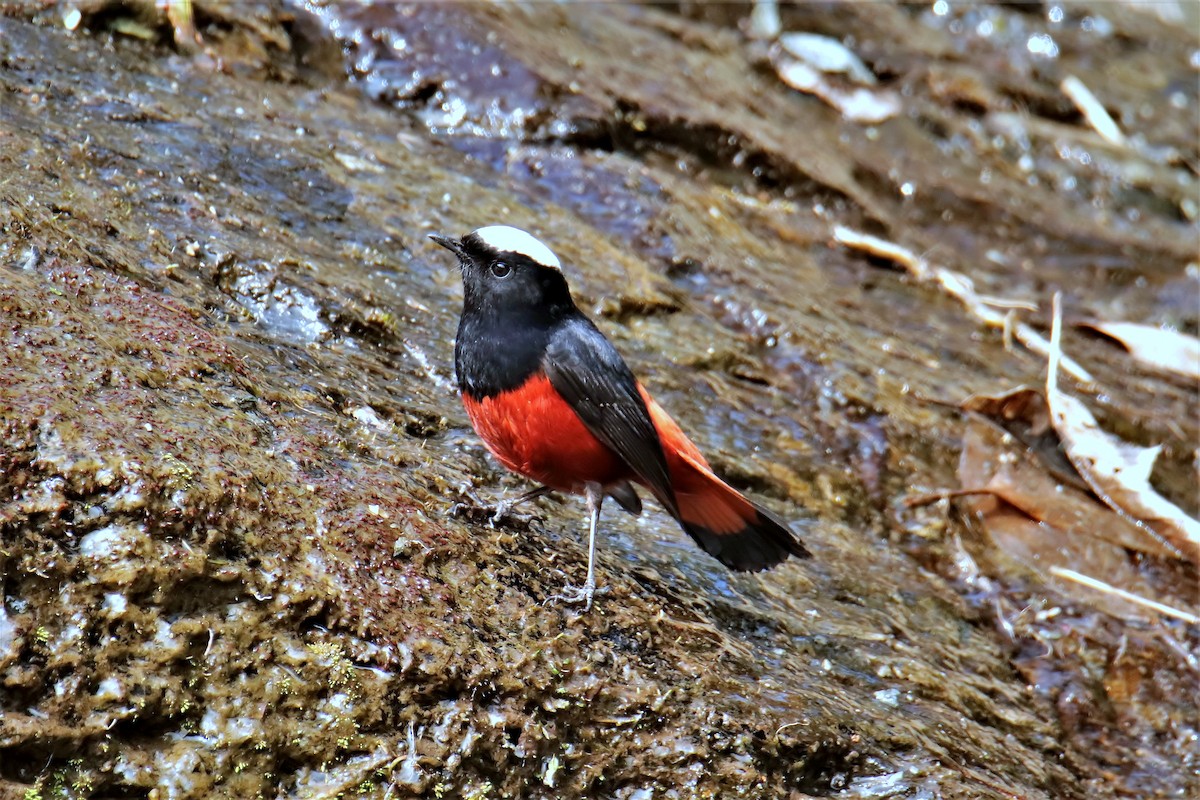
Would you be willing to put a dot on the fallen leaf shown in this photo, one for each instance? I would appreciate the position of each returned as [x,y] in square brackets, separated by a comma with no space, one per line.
[1041,548]
[1023,413]
[1090,536]
[1118,472]
[1159,348]
[855,103]
[827,54]
[999,464]
[1022,403]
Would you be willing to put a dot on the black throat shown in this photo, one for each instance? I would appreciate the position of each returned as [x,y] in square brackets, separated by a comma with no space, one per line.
[501,340]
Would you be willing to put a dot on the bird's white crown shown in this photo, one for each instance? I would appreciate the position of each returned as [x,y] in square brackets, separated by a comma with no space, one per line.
[508,239]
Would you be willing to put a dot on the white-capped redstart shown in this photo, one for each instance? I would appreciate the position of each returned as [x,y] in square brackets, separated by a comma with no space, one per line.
[554,401]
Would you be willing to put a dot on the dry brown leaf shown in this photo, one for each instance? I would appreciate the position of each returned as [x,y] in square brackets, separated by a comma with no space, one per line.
[1157,348]
[996,463]
[1023,413]
[1041,548]
[1118,472]
[1090,536]
[1022,403]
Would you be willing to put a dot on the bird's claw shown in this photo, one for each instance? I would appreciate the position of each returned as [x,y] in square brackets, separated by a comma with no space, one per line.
[499,511]
[572,595]
[493,514]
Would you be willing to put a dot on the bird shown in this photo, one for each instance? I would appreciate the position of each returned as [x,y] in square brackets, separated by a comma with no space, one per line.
[554,401]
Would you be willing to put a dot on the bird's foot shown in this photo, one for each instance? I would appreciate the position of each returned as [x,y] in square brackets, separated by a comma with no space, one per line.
[501,509]
[497,513]
[572,595]
[473,509]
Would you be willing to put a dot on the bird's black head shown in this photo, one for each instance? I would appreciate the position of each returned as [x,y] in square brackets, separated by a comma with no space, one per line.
[514,298]
[506,271]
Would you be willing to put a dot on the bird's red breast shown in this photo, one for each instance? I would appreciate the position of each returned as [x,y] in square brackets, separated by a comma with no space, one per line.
[532,430]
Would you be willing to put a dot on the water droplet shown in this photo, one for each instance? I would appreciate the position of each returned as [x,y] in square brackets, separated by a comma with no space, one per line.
[1042,44]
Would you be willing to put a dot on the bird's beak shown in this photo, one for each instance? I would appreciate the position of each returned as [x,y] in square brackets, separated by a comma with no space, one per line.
[452,245]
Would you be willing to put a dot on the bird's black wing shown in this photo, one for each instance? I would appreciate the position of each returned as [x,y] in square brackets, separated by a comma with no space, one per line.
[591,376]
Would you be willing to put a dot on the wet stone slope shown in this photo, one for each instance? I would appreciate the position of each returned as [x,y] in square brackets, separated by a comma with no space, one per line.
[231,443]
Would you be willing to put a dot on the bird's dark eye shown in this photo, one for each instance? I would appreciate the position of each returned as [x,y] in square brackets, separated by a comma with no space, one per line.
[500,269]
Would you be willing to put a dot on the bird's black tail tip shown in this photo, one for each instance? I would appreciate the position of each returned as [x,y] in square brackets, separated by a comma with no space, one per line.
[764,543]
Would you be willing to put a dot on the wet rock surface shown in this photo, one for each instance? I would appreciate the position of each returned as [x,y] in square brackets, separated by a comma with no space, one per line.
[231,441]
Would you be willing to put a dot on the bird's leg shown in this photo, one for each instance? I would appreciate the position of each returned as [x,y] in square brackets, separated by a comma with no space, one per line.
[584,594]
[595,499]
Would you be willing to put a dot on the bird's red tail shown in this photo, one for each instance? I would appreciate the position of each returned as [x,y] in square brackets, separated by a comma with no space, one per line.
[740,534]
[732,529]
